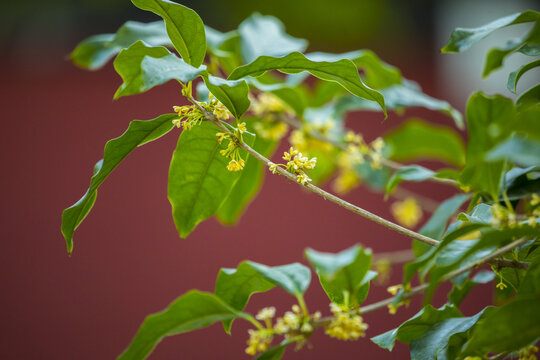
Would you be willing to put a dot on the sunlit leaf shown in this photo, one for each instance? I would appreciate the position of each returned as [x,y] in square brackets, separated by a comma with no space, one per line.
[232,94]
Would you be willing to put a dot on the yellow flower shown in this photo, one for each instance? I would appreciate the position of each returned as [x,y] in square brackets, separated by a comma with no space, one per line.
[266,313]
[394,289]
[377,144]
[235,165]
[273,167]
[177,122]
[259,340]
[221,112]
[345,325]
[242,127]
[302,179]
[501,285]
[407,212]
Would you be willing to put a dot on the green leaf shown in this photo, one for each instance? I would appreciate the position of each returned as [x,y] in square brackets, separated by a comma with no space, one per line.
[462,39]
[344,272]
[507,328]
[138,133]
[419,140]
[274,353]
[184,27]
[294,278]
[480,214]
[377,73]
[250,180]
[436,340]
[142,67]
[489,120]
[414,328]
[460,291]
[95,51]
[189,312]
[199,181]
[517,149]
[343,72]
[408,173]
[514,76]
[293,96]
[529,97]
[265,35]
[235,287]
[232,94]
[530,288]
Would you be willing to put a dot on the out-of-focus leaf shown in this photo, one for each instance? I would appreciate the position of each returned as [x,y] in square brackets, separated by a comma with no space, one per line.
[184,27]
[142,67]
[199,181]
[343,72]
[265,35]
[189,312]
[408,173]
[460,291]
[514,76]
[529,97]
[274,353]
[417,140]
[232,94]
[517,149]
[480,214]
[95,51]
[462,39]
[294,278]
[346,272]
[138,133]
[235,287]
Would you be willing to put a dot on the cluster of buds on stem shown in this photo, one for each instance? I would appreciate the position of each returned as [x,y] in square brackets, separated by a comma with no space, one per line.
[296,164]
[345,325]
[393,290]
[233,149]
[302,139]
[269,108]
[192,115]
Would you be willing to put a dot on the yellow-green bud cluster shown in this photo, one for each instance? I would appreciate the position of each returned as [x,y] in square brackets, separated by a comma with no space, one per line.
[219,110]
[407,212]
[296,164]
[345,325]
[528,353]
[393,290]
[188,116]
[233,150]
[268,107]
[259,340]
[302,139]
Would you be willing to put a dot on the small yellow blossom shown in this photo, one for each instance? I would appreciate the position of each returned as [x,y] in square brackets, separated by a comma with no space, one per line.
[501,285]
[345,182]
[384,268]
[266,313]
[531,221]
[259,341]
[394,289]
[302,179]
[267,103]
[392,309]
[242,127]
[377,144]
[273,167]
[345,325]
[528,353]
[407,212]
[235,165]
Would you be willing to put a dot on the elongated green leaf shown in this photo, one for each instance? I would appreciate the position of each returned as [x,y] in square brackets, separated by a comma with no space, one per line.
[184,27]
[517,149]
[142,67]
[507,328]
[138,133]
[377,73]
[235,287]
[414,328]
[489,120]
[408,173]
[294,278]
[460,291]
[529,45]
[191,311]
[199,181]
[95,51]
[265,35]
[274,353]
[417,140]
[529,97]
[343,72]
[344,272]
[436,340]
[250,180]
[233,94]
[514,76]
[462,39]
[480,214]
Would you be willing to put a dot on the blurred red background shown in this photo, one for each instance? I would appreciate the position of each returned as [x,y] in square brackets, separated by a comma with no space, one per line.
[128,261]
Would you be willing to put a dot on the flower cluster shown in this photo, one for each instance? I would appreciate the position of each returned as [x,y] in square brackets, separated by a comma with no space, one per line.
[345,325]
[192,115]
[291,324]
[302,139]
[296,164]
[393,290]
[233,149]
[407,212]
[528,353]
[268,107]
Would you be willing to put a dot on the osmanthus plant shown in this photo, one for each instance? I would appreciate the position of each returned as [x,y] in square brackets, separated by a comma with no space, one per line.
[240,107]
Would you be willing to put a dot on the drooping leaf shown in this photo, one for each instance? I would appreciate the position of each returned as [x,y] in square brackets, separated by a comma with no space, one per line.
[517,149]
[294,278]
[414,328]
[343,272]
[235,287]
[184,27]
[250,180]
[417,140]
[189,312]
[142,67]
[199,181]
[529,97]
[408,173]
[232,94]
[514,76]
[462,39]
[343,72]
[265,35]
[97,50]
[489,120]
[138,133]
[274,353]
